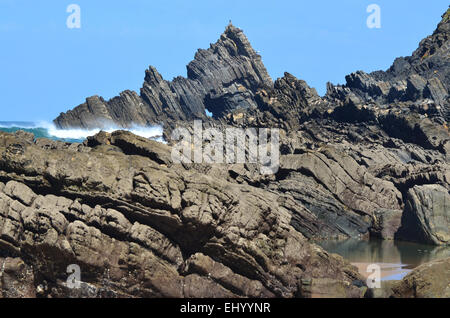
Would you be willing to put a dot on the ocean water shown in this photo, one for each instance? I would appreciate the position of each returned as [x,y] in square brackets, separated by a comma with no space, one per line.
[395,258]
[48,130]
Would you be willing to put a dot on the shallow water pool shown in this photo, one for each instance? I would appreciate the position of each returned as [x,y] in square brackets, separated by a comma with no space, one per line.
[395,258]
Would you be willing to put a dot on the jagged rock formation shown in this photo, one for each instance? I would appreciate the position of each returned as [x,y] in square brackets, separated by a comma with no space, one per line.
[423,78]
[140,226]
[220,79]
[371,158]
[349,158]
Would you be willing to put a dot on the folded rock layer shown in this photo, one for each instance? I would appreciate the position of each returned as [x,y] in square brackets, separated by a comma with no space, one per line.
[370,158]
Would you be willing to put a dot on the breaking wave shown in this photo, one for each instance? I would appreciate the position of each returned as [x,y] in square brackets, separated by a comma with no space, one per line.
[49,130]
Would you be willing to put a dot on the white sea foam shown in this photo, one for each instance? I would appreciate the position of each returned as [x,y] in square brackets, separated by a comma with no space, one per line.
[78,133]
[81,134]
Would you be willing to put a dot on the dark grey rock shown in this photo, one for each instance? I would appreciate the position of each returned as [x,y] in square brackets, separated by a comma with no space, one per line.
[427,215]
[222,78]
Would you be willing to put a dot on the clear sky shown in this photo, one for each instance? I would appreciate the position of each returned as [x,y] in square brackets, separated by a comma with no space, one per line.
[47,68]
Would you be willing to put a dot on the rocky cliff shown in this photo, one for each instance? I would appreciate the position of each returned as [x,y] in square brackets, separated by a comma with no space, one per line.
[370,158]
[137,225]
[422,79]
[219,79]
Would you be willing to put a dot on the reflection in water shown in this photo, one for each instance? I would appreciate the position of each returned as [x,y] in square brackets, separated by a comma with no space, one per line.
[393,252]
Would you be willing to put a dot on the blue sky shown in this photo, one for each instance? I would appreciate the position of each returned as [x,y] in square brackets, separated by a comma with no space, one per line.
[47,68]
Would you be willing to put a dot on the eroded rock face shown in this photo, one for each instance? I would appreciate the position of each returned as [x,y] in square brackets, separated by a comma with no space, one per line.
[430,280]
[138,227]
[222,78]
[387,223]
[423,75]
[370,158]
[16,279]
[427,215]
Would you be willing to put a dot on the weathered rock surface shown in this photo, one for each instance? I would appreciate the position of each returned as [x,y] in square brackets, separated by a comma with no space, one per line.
[138,226]
[348,159]
[371,158]
[430,280]
[420,79]
[220,79]
[427,215]
[386,223]
[16,279]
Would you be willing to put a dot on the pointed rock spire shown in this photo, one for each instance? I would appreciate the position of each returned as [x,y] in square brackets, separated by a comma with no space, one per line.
[222,78]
